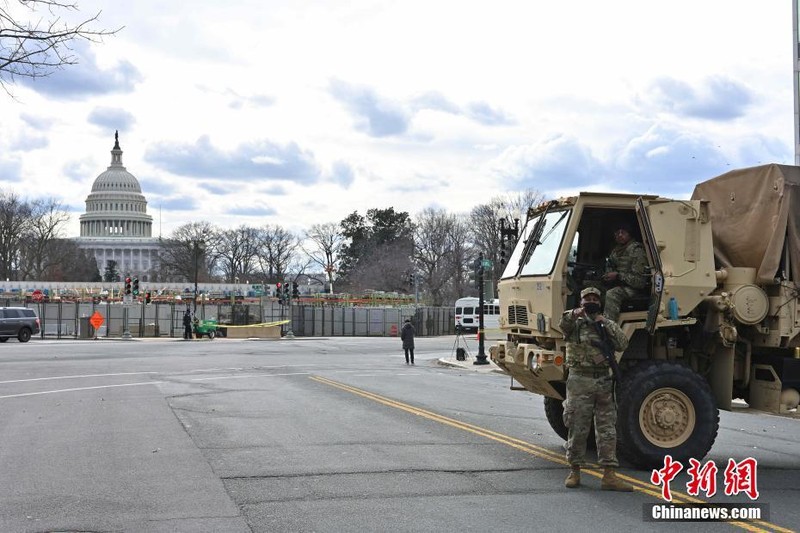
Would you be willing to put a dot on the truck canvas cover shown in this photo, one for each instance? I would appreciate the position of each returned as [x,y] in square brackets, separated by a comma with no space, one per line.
[755,216]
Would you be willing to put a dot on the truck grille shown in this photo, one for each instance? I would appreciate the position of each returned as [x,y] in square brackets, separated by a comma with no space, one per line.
[518,314]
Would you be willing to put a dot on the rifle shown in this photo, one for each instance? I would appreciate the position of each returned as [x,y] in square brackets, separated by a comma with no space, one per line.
[607,348]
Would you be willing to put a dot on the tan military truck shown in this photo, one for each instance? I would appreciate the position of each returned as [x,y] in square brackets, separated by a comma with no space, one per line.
[720,321]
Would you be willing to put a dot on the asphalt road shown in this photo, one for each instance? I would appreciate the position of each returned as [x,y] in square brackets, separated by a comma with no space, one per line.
[331,434]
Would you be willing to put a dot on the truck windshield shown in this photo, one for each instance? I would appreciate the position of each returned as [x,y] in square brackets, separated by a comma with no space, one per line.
[535,253]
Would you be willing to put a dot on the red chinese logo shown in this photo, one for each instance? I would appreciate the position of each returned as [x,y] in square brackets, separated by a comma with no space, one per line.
[702,478]
[665,476]
[738,477]
[741,477]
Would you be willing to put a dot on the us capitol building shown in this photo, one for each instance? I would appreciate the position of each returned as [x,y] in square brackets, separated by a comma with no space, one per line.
[116,226]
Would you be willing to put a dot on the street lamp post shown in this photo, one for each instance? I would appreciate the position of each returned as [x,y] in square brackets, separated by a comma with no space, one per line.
[481,358]
[289,286]
[126,300]
[198,246]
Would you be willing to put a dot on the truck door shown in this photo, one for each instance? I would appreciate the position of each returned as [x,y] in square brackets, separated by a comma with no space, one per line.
[649,242]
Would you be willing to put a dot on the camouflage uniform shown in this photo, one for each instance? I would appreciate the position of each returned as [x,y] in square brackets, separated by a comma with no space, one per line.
[629,261]
[590,389]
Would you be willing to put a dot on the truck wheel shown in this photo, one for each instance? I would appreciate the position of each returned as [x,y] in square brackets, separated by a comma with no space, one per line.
[24,335]
[665,409]
[3,339]
[211,335]
[554,411]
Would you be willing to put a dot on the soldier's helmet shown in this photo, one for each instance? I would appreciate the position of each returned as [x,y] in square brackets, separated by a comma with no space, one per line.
[591,290]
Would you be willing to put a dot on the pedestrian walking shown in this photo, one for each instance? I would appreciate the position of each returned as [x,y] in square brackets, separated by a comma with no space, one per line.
[590,389]
[187,325]
[407,336]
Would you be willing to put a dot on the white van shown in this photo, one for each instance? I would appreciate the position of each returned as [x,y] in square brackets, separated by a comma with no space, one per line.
[467,318]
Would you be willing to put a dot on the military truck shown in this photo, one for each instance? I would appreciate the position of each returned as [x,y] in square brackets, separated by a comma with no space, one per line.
[720,320]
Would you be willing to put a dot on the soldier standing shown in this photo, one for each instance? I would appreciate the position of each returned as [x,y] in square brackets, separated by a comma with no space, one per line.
[590,390]
[187,325]
[627,272]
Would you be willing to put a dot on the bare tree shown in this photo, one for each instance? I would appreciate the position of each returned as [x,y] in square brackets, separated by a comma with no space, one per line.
[485,221]
[15,217]
[47,220]
[36,41]
[517,205]
[189,252]
[74,264]
[437,245]
[237,252]
[326,241]
[277,252]
[461,250]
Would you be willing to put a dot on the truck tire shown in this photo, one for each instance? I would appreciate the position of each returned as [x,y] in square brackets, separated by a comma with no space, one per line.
[554,411]
[665,409]
[211,335]
[24,335]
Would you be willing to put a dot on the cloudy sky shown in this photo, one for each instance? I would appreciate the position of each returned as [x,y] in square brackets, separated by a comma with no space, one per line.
[296,112]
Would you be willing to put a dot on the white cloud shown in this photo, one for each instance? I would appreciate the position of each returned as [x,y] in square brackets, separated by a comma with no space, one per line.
[300,112]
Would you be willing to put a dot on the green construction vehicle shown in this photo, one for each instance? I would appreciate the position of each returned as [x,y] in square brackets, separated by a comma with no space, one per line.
[206,328]
[720,320]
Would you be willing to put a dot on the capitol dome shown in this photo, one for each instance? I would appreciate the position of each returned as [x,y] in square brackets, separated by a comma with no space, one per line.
[116,206]
[116,178]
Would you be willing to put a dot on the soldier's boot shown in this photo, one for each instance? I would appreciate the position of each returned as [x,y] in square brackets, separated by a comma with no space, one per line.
[612,482]
[574,478]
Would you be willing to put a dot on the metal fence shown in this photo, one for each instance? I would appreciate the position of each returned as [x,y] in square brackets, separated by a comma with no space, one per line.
[316,321]
[72,319]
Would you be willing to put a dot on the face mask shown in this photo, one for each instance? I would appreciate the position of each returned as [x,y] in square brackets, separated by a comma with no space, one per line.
[591,308]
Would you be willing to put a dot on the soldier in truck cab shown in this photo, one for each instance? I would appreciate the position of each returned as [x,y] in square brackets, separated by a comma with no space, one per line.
[627,272]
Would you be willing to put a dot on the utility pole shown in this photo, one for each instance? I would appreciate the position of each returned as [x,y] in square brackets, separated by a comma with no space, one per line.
[288,292]
[480,359]
[126,300]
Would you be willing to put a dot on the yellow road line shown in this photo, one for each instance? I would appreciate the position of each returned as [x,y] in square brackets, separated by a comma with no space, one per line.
[544,453]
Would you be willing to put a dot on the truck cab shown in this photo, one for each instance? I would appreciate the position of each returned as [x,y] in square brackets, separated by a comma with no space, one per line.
[720,319]
[562,248]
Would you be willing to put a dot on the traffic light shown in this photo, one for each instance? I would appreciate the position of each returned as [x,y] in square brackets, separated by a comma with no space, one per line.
[477,272]
[295,290]
[136,286]
[279,292]
[504,251]
[147,297]
[127,285]
[411,279]
[508,239]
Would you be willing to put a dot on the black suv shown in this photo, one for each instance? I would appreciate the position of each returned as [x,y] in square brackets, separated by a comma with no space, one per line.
[19,322]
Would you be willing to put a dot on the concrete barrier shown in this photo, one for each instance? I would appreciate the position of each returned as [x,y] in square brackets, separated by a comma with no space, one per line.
[258,332]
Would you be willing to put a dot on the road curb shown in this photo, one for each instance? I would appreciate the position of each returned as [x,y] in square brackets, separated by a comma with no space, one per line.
[468,365]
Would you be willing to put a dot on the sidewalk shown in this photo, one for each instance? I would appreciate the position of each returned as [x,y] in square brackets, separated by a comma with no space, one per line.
[469,362]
